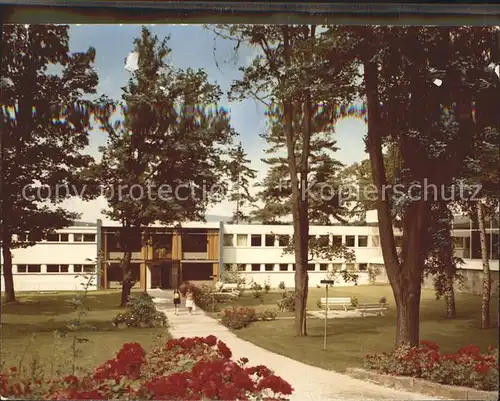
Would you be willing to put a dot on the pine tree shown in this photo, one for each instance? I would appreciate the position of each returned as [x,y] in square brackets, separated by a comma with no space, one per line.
[240,174]
[45,123]
[323,186]
[171,143]
[298,69]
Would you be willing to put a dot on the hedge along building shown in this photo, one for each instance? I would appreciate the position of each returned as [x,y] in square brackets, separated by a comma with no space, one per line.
[163,257]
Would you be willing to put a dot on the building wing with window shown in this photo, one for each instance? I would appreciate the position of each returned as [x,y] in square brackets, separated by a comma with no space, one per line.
[164,257]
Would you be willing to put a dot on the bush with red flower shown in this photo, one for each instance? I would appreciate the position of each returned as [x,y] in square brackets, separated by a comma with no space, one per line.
[467,367]
[182,369]
[238,318]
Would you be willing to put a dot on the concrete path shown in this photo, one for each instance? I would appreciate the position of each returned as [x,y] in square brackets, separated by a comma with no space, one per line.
[309,382]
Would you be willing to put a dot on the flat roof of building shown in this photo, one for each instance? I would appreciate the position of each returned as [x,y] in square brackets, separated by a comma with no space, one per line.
[187,224]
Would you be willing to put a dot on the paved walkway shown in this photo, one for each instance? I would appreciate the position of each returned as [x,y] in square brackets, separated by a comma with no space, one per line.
[309,382]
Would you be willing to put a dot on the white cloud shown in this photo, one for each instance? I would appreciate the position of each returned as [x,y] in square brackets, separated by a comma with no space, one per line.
[131,63]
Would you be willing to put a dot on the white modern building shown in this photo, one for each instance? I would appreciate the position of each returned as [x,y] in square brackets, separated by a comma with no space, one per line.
[163,257]
[57,264]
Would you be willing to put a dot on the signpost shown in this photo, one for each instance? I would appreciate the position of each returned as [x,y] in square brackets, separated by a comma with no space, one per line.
[327,282]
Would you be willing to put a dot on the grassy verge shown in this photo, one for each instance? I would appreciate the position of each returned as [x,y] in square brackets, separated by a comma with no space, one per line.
[350,339]
[29,326]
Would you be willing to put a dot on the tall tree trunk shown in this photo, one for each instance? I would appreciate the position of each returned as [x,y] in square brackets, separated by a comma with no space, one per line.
[450,267]
[304,303]
[238,201]
[126,277]
[8,279]
[5,243]
[304,206]
[299,204]
[409,280]
[485,303]
[405,277]
[407,296]
[451,309]
[374,147]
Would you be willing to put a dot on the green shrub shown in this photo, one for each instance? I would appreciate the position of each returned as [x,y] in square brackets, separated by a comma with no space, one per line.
[238,318]
[141,312]
[373,272]
[267,315]
[281,286]
[233,276]
[354,301]
[287,302]
[256,290]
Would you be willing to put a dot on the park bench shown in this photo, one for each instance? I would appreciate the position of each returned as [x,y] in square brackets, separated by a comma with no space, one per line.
[377,309]
[330,303]
[227,289]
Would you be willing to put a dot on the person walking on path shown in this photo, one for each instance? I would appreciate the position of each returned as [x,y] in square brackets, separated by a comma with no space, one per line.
[177,301]
[190,300]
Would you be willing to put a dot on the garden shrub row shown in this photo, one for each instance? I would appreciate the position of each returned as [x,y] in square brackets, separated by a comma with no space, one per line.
[239,318]
[467,367]
[182,369]
[141,312]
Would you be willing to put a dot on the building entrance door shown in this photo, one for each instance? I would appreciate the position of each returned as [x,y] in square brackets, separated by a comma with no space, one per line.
[155,276]
[161,276]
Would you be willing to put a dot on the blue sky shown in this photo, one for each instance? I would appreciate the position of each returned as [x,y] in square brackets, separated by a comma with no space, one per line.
[192,46]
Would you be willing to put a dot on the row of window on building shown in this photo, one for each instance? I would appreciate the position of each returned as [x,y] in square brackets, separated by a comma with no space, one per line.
[60,237]
[272,240]
[76,268]
[286,267]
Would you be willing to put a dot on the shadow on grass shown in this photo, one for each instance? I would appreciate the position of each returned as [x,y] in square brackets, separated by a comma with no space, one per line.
[350,339]
[49,352]
[31,323]
[14,329]
[43,313]
[58,304]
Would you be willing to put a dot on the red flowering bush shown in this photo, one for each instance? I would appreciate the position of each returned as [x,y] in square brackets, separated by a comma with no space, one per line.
[182,369]
[467,367]
[238,318]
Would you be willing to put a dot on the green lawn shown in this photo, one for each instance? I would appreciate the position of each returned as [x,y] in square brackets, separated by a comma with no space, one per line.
[350,339]
[28,328]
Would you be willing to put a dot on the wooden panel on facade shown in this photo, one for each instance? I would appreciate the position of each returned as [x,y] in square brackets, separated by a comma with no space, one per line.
[215,272]
[176,246]
[213,252]
[147,247]
[105,276]
[213,245]
[142,276]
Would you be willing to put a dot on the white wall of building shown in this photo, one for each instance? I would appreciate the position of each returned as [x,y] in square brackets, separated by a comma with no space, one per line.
[71,254]
[270,257]
[267,259]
